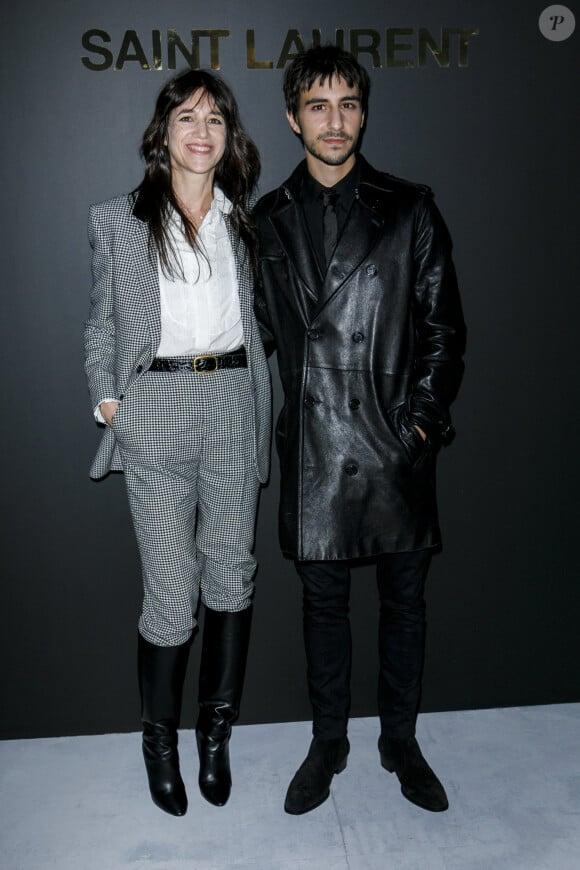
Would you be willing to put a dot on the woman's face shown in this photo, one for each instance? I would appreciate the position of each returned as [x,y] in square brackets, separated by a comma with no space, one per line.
[196,136]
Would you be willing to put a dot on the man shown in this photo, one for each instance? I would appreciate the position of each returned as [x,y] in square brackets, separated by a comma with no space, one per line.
[358,294]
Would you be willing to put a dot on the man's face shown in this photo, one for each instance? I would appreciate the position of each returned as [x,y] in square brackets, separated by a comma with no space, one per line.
[329,120]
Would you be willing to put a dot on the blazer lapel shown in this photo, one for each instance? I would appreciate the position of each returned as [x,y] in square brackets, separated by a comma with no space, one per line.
[147,279]
[244,276]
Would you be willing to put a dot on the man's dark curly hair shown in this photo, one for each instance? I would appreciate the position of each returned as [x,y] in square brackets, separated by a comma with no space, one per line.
[319,64]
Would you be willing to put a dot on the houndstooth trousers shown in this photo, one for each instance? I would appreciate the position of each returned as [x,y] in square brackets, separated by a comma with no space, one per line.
[186,446]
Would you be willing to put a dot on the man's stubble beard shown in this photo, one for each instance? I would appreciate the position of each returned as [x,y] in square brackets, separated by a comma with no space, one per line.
[330,159]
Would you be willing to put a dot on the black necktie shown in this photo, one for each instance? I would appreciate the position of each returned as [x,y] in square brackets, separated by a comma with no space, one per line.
[329,223]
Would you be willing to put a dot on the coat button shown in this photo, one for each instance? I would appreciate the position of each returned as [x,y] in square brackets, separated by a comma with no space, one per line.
[310,401]
[354,404]
[139,369]
[313,334]
[121,397]
[357,337]
[371,270]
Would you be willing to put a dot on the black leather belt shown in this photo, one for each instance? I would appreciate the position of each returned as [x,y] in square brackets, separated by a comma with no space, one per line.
[203,364]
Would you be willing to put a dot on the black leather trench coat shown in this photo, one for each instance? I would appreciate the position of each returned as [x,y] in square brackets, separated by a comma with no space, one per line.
[364,353]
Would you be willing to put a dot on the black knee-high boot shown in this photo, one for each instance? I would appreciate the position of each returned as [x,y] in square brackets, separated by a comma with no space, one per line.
[161,675]
[221,678]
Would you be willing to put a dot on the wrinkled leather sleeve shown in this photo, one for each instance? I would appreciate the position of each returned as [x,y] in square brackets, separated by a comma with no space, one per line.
[439,326]
[260,305]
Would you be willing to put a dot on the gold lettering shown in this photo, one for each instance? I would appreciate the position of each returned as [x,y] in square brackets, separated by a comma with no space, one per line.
[157,56]
[214,45]
[464,36]
[251,61]
[192,57]
[316,38]
[293,38]
[406,48]
[393,46]
[131,40]
[373,48]
[89,45]
[174,42]
[426,41]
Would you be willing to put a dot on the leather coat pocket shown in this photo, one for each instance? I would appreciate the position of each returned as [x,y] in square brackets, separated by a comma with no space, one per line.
[273,266]
[416,449]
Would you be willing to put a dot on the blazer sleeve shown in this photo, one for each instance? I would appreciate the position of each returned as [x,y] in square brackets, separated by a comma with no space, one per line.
[439,326]
[99,334]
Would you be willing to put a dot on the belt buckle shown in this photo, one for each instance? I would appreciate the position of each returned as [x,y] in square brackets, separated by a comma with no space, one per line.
[204,357]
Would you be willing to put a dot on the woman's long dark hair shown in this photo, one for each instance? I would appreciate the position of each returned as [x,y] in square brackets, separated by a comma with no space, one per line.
[236,173]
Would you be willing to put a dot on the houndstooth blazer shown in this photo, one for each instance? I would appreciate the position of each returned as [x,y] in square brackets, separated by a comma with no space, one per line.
[123,329]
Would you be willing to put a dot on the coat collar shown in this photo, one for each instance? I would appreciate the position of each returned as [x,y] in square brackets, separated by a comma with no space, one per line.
[372,185]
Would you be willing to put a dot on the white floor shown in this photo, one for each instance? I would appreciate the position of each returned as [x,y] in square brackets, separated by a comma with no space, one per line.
[512,776]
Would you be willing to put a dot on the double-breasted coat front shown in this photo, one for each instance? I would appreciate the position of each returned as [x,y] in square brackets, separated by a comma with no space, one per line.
[365,352]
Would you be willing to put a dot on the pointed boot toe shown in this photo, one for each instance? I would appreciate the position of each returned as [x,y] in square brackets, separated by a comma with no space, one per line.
[215,779]
[162,766]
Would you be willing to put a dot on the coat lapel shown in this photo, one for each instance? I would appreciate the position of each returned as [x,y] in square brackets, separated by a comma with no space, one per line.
[360,233]
[293,235]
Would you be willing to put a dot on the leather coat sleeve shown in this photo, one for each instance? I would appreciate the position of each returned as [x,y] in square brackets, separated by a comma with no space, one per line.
[439,327]
[260,305]
[263,318]
[99,334]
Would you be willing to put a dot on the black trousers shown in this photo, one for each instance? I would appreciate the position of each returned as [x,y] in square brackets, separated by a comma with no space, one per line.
[327,639]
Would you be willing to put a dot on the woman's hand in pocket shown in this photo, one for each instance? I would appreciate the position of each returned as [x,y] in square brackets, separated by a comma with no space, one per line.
[108,410]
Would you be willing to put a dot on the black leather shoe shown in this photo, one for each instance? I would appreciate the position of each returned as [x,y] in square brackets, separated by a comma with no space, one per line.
[418,782]
[162,764]
[310,786]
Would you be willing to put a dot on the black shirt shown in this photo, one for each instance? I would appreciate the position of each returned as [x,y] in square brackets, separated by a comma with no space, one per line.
[312,207]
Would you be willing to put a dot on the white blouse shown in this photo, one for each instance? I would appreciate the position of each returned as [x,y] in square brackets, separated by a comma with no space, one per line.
[201,311]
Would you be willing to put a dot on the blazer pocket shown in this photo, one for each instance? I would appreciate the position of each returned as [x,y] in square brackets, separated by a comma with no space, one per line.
[118,416]
[114,419]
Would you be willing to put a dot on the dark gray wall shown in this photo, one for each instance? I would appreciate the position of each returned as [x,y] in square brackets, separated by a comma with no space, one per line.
[496,138]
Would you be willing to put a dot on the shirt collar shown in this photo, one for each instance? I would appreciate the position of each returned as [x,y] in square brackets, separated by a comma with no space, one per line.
[220,202]
[220,205]
[345,188]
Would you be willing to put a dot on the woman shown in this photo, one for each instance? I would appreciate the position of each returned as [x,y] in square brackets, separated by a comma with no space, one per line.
[177,373]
